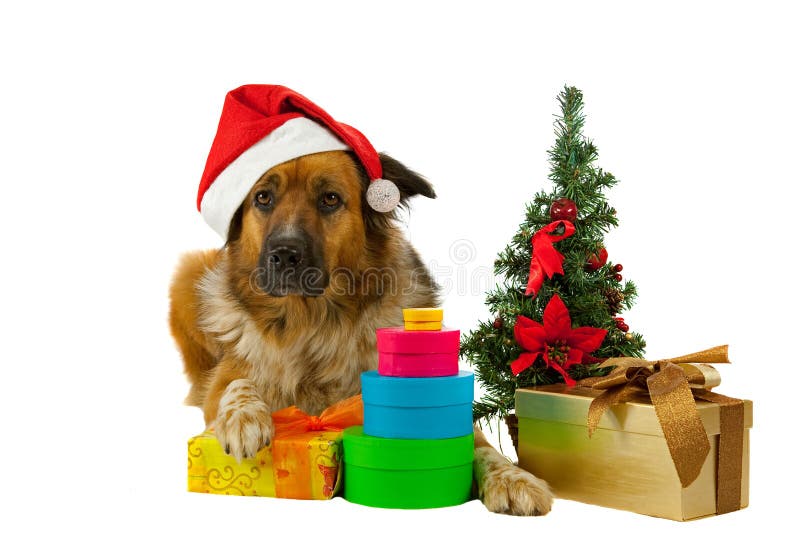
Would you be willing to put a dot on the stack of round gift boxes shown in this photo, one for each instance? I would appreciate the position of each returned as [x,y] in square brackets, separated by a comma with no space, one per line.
[415,449]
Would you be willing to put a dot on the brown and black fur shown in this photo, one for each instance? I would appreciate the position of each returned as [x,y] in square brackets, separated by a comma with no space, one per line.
[252,345]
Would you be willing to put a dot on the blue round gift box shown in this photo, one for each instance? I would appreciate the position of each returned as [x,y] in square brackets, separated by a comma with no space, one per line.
[417,408]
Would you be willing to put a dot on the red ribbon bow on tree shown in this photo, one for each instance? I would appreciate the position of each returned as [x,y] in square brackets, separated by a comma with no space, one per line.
[546,259]
[559,345]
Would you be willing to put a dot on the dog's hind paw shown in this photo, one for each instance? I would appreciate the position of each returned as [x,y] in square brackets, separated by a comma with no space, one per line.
[243,425]
[508,489]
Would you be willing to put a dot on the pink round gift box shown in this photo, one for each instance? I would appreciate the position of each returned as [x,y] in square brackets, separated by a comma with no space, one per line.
[417,354]
[417,365]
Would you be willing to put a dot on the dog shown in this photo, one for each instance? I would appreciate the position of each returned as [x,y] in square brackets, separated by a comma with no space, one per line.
[256,336]
[285,312]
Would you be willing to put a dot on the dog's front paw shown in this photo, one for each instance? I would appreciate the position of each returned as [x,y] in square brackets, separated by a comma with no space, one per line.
[243,425]
[508,489]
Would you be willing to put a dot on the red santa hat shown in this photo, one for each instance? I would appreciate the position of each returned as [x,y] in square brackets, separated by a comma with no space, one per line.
[265,125]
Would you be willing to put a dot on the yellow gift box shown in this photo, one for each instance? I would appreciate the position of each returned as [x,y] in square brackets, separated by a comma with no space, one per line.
[423,319]
[304,460]
[675,450]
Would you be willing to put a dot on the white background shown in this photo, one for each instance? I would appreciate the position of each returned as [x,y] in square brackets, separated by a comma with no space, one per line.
[106,116]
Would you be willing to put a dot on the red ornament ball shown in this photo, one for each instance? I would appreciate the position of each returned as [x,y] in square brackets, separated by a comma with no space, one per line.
[618,267]
[598,259]
[623,327]
[618,277]
[498,323]
[619,320]
[563,209]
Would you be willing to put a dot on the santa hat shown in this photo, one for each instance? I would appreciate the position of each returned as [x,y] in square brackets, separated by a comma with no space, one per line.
[265,125]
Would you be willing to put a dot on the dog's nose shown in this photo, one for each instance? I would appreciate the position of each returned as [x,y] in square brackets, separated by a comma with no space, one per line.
[286,253]
[289,263]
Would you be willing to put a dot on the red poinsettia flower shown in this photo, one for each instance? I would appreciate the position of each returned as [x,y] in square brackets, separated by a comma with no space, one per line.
[559,345]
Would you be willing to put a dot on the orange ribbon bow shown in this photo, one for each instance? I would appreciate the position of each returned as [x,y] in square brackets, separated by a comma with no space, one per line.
[292,421]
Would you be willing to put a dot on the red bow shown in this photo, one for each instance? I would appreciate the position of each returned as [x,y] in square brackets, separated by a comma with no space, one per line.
[546,259]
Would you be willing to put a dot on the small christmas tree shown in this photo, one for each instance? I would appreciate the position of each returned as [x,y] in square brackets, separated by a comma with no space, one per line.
[556,314]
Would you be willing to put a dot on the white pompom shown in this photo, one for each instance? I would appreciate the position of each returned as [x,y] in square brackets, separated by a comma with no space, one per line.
[383,195]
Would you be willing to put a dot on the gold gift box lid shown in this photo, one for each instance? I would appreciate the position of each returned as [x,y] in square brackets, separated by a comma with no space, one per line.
[560,403]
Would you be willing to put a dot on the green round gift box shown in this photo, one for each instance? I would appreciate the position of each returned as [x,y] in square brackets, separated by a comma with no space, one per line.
[407,473]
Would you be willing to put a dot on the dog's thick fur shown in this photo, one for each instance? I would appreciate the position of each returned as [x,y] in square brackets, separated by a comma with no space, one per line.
[248,352]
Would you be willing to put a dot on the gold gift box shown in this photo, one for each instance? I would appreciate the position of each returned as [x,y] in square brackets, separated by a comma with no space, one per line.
[626,464]
[307,466]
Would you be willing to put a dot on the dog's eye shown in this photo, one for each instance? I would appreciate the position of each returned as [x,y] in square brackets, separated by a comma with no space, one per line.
[330,201]
[264,199]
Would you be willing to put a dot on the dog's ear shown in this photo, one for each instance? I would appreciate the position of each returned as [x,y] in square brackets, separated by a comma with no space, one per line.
[235,229]
[407,181]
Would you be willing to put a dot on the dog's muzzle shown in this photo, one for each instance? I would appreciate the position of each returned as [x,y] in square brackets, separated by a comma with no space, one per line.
[291,265]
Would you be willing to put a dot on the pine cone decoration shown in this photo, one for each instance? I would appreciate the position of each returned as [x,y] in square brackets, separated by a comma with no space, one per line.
[614,298]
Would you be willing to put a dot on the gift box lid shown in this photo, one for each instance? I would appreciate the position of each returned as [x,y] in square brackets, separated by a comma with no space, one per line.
[560,403]
[405,454]
[423,314]
[417,392]
[398,339]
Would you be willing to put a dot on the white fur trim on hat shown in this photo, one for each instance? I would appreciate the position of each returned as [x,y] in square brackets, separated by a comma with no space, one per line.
[294,138]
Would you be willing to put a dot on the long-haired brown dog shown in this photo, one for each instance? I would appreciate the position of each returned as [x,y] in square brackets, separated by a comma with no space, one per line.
[285,313]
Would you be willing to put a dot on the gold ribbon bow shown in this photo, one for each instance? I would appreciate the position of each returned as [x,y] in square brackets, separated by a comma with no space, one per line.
[673,385]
